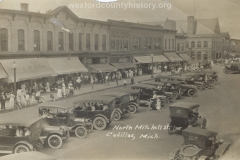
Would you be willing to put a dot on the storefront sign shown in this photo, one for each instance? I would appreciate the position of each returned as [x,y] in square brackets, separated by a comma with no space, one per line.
[103,60]
[24,68]
[123,60]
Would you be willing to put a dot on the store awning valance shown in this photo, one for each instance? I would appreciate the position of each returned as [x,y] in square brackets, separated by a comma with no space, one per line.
[29,68]
[3,74]
[123,65]
[143,59]
[173,57]
[101,68]
[65,65]
[186,57]
[160,58]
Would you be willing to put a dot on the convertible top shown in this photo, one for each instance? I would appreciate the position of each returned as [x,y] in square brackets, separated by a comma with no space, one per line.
[163,77]
[153,83]
[171,82]
[54,105]
[18,118]
[95,98]
[234,63]
[199,131]
[129,90]
[115,94]
[186,105]
[141,85]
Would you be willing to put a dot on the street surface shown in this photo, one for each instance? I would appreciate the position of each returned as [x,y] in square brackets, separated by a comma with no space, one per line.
[220,106]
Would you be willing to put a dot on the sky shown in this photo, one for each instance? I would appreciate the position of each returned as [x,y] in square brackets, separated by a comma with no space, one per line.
[227,11]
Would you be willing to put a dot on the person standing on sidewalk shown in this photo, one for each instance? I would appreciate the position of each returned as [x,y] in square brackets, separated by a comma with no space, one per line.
[106,80]
[117,80]
[11,101]
[132,80]
[165,68]
[3,101]
[78,81]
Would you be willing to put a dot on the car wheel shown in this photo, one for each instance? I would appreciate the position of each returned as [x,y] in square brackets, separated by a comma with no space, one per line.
[21,148]
[199,87]
[89,126]
[191,92]
[66,138]
[176,94]
[204,124]
[54,141]
[117,116]
[132,109]
[81,132]
[99,123]
[206,86]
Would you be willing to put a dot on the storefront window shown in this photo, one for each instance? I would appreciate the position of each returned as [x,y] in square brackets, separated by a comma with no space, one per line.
[71,41]
[60,41]
[104,41]
[88,42]
[36,40]
[96,41]
[21,42]
[80,36]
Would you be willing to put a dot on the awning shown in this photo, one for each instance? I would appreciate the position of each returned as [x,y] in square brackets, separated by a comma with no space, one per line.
[173,57]
[148,59]
[30,68]
[3,74]
[233,55]
[101,68]
[123,65]
[65,65]
[186,57]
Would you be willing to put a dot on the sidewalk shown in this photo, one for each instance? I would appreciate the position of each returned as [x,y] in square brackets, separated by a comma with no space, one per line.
[89,88]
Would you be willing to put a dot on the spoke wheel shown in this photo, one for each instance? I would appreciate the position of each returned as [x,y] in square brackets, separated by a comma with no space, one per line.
[21,148]
[99,123]
[55,141]
[117,116]
[81,132]
[132,109]
[206,86]
[191,93]
[199,87]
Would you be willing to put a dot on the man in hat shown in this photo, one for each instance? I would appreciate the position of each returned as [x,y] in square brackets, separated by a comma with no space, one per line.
[78,81]
[3,101]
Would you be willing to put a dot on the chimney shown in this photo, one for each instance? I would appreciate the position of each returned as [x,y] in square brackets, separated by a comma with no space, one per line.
[24,7]
[191,25]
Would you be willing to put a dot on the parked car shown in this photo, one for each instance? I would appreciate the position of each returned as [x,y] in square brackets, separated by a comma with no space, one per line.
[183,114]
[212,74]
[36,133]
[100,109]
[232,68]
[122,102]
[146,93]
[199,144]
[59,113]
[28,156]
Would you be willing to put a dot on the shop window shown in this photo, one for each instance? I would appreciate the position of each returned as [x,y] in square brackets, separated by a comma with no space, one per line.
[182,46]
[199,56]
[199,44]
[173,44]
[71,41]
[165,43]
[104,42]
[113,43]
[80,40]
[36,40]
[150,43]
[178,46]
[96,41]
[21,40]
[60,41]
[192,44]
[136,43]
[126,43]
[187,44]
[88,42]
[205,44]
[3,39]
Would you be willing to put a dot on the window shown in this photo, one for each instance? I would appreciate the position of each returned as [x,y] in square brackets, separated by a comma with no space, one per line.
[150,43]
[117,43]
[199,44]
[88,42]
[49,41]
[112,43]
[212,44]
[182,46]
[126,43]
[121,43]
[60,41]
[165,43]
[71,41]
[96,41]
[205,56]
[205,44]
[187,44]
[104,42]
[178,46]
[173,44]
[199,56]
[3,39]
[145,43]
[80,38]
[192,44]
[21,42]
[36,40]
[169,43]
[157,43]
[136,42]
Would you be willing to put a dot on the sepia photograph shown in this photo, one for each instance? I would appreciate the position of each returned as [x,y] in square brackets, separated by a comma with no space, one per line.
[119,79]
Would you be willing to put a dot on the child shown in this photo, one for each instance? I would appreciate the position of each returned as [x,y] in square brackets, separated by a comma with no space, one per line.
[124,82]
[52,96]
[158,105]
[28,99]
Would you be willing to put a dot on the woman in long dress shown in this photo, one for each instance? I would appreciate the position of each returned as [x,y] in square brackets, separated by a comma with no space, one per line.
[47,87]
[11,101]
[64,89]
[59,92]
[91,79]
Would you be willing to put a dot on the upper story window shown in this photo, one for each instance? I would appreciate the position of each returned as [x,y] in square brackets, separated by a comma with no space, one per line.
[182,46]
[49,41]
[173,44]
[199,44]
[96,41]
[169,43]
[104,42]
[60,41]
[187,44]
[150,43]
[165,43]
[117,43]
[192,44]
[136,43]
[113,43]
[71,41]
[178,46]
[205,44]
[157,44]
[36,40]
[126,43]
[3,39]
[145,43]
[80,40]
[21,40]
[88,42]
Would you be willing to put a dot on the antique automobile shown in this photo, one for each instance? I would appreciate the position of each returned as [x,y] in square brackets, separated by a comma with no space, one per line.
[200,77]
[160,90]
[21,133]
[232,68]
[58,114]
[184,114]
[99,109]
[200,144]
[180,88]
[28,156]
[213,75]
[122,102]
[146,93]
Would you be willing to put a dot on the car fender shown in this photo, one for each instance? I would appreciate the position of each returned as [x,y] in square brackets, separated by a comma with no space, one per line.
[174,154]
[56,133]
[100,115]
[201,83]
[222,149]
[65,128]
[202,157]
[24,143]
[199,121]
[133,103]
[119,110]
[77,125]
